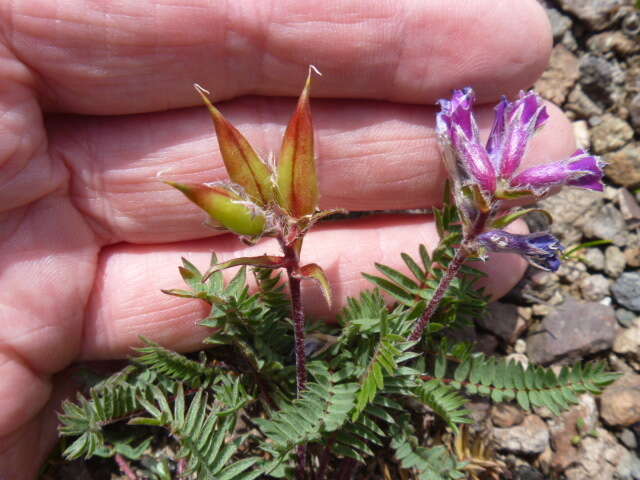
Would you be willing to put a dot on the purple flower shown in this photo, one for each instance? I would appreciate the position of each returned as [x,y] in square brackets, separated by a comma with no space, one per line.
[581,170]
[494,168]
[467,159]
[540,249]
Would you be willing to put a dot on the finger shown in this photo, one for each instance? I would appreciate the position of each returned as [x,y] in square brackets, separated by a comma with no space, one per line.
[128,303]
[131,57]
[372,155]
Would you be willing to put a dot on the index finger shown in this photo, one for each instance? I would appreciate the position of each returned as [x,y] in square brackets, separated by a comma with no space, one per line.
[131,57]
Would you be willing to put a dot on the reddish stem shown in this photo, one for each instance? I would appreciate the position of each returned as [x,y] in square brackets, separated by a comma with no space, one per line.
[438,295]
[125,468]
[452,270]
[292,262]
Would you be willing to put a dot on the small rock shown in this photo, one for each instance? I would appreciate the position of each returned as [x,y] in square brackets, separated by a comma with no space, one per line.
[571,270]
[631,23]
[606,224]
[634,110]
[480,410]
[614,262]
[620,401]
[559,23]
[623,166]
[570,208]
[628,341]
[593,258]
[617,41]
[578,420]
[598,15]
[520,346]
[572,330]
[626,290]
[594,287]
[632,256]
[527,472]
[529,438]
[629,207]
[504,415]
[580,103]
[628,438]
[502,319]
[581,132]
[598,458]
[610,134]
[560,75]
[629,467]
[625,317]
[486,343]
[601,79]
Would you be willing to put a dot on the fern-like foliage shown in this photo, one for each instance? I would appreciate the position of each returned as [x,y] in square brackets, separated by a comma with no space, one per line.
[430,463]
[202,432]
[106,403]
[538,386]
[323,408]
[175,366]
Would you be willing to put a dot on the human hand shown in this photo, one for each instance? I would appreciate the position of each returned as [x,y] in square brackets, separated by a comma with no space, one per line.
[97,99]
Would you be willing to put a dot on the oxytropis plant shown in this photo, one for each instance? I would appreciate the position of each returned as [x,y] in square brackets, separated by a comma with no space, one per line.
[353,403]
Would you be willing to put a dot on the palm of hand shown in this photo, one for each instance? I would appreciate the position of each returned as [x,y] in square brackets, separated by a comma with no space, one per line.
[88,235]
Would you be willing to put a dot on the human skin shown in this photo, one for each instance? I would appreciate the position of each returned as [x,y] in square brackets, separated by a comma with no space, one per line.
[96,103]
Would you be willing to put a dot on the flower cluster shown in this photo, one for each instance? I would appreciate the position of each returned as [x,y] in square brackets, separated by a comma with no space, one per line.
[486,175]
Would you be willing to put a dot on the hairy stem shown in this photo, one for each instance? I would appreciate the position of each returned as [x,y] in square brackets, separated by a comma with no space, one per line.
[438,295]
[125,468]
[452,270]
[292,262]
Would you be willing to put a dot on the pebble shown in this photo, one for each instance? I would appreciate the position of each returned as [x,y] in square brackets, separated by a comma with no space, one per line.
[628,438]
[620,401]
[610,134]
[581,133]
[609,42]
[628,341]
[598,458]
[564,428]
[593,258]
[623,166]
[625,317]
[634,110]
[520,346]
[560,23]
[560,75]
[503,320]
[614,261]
[629,207]
[626,290]
[580,103]
[600,78]
[505,415]
[572,330]
[594,287]
[598,15]
[530,437]
[632,256]
[606,224]
[570,208]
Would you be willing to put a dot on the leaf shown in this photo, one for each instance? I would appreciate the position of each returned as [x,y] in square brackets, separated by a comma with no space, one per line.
[297,176]
[262,261]
[315,272]
[513,216]
[226,207]
[243,164]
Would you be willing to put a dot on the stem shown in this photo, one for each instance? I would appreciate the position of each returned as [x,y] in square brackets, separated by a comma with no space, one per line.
[443,286]
[298,321]
[125,468]
[292,261]
[452,270]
